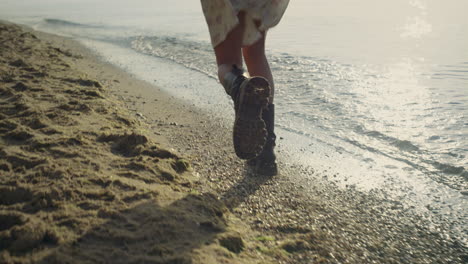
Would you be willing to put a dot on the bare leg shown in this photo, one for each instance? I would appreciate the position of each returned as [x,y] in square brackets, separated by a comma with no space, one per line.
[250,95]
[257,63]
[228,52]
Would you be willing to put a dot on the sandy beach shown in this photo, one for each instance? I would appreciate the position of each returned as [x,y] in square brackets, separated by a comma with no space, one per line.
[99,167]
[83,180]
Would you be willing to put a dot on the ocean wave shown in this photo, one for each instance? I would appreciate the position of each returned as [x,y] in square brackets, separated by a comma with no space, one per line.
[60,22]
[191,54]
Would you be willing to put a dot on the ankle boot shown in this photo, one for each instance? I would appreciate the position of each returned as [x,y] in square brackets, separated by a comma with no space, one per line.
[265,163]
[250,96]
[232,82]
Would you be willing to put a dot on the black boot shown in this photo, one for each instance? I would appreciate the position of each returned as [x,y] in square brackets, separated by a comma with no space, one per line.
[232,82]
[265,163]
[250,97]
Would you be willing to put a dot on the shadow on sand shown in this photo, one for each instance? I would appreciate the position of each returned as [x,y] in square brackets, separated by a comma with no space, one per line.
[242,190]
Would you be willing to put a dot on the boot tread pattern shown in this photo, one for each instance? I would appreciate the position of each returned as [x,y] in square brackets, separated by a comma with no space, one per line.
[249,133]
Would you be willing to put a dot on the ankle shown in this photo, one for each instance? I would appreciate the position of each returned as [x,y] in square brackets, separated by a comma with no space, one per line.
[232,81]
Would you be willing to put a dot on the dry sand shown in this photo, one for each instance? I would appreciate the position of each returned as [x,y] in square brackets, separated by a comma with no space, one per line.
[83,180]
[91,172]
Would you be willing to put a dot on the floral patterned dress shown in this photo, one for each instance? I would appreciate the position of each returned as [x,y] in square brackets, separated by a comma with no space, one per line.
[221,17]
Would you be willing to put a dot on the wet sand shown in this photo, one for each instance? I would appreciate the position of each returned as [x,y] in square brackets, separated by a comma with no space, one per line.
[97,166]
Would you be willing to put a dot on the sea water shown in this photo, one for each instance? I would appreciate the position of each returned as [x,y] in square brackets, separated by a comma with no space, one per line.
[373,92]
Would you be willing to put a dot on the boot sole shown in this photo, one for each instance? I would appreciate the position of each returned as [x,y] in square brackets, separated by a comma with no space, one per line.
[249,133]
[264,168]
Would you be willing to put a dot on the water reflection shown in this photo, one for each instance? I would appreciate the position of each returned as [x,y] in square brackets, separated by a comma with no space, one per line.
[396,101]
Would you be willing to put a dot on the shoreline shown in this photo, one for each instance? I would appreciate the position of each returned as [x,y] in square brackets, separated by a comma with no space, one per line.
[287,218]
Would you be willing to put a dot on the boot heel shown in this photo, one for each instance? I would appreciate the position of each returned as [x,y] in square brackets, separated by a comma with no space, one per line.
[265,163]
[249,133]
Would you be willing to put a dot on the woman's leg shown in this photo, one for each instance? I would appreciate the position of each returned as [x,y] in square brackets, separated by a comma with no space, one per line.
[228,52]
[250,95]
[257,63]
